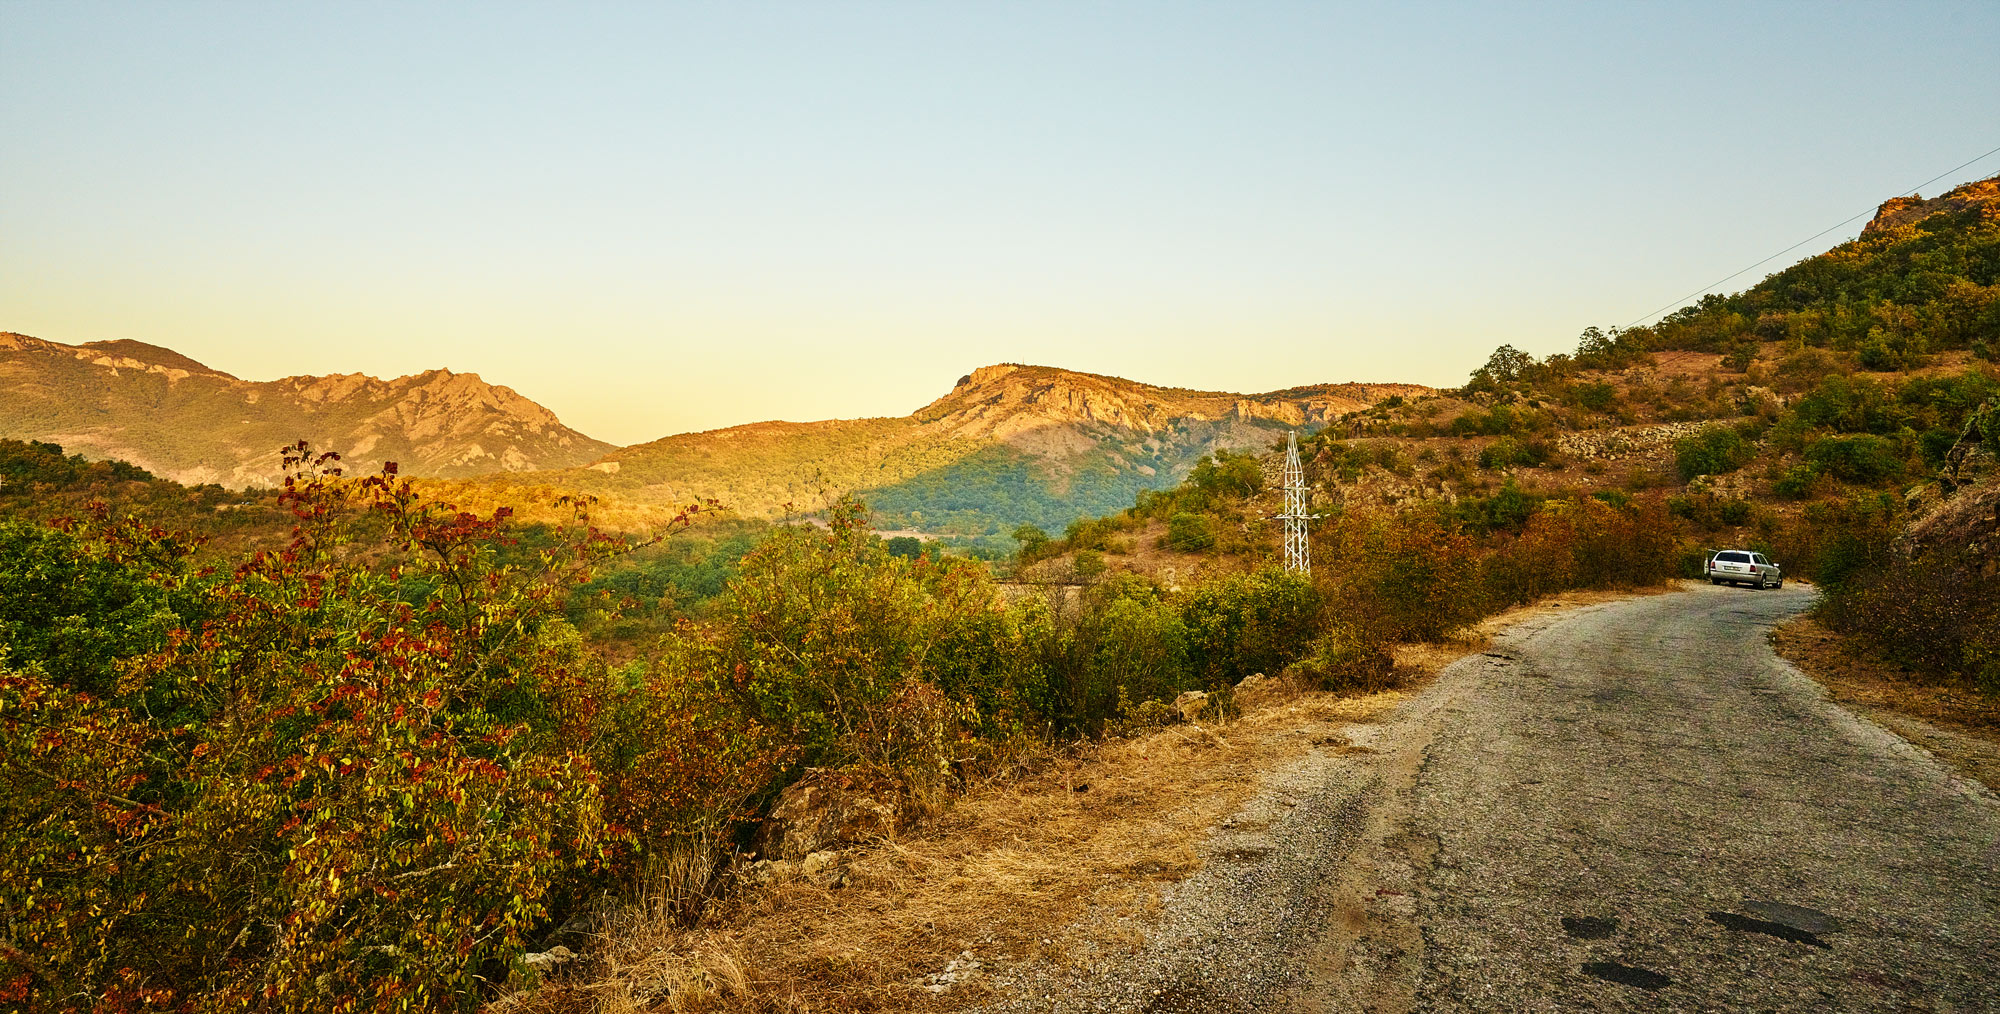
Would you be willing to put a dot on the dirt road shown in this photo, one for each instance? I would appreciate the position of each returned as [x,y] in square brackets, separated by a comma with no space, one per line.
[1632,806]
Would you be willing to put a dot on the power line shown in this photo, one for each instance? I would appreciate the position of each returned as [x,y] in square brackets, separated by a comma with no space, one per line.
[1803,242]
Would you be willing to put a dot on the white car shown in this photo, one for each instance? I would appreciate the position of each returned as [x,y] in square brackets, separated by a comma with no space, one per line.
[1740,566]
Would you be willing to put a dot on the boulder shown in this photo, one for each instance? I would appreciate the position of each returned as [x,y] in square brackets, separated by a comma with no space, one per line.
[546,960]
[1253,688]
[826,809]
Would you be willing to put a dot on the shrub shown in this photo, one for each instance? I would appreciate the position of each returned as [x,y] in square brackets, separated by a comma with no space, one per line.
[1713,451]
[1089,563]
[1740,356]
[1798,481]
[1597,396]
[1189,533]
[1936,611]
[358,777]
[1228,474]
[1346,657]
[75,606]
[1245,623]
[1862,458]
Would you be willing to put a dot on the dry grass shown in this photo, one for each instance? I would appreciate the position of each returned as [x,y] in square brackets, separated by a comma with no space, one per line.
[1002,873]
[1953,721]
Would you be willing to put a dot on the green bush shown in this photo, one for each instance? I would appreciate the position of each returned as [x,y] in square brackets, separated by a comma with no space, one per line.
[1713,451]
[1597,396]
[1862,458]
[74,607]
[1245,623]
[1798,481]
[1189,533]
[1346,657]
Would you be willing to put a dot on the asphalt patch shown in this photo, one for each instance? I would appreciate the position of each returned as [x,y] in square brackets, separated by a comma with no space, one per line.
[1798,917]
[1589,927]
[1627,975]
[1749,924]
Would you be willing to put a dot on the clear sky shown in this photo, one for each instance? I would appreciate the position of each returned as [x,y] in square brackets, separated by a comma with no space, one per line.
[661,217]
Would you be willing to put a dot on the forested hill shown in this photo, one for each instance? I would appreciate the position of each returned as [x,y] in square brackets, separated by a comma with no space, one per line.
[1920,279]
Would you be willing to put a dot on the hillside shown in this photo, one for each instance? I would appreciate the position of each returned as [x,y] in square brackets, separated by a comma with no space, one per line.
[1830,404]
[188,422]
[1008,445]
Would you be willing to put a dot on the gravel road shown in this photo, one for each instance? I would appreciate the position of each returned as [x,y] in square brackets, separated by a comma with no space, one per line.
[1632,806]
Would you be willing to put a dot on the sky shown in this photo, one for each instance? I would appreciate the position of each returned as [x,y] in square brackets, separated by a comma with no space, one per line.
[663,217]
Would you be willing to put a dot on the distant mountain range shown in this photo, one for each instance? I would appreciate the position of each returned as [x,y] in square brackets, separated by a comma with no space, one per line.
[186,421]
[1009,444]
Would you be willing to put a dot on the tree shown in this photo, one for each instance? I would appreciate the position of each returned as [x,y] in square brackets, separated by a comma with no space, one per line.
[1031,539]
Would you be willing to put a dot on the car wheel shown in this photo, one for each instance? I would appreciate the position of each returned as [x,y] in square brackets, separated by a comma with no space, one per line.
[1714,580]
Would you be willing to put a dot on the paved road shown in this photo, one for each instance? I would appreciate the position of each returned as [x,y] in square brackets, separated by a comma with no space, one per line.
[1628,807]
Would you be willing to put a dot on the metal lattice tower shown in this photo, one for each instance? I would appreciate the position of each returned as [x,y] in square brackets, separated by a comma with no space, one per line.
[1298,549]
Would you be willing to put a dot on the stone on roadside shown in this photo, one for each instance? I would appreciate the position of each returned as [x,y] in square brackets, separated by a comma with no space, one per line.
[1190,704]
[823,869]
[828,808]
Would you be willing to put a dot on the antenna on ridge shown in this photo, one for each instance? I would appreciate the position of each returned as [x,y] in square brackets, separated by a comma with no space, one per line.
[1298,549]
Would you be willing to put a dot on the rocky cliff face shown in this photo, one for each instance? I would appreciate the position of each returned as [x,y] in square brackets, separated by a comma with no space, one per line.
[1897,212]
[183,420]
[1008,444]
[1009,400]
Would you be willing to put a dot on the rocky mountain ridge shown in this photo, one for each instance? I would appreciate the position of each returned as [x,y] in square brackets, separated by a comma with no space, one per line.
[186,421]
[1009,444]
[1897,212]
[1010,398]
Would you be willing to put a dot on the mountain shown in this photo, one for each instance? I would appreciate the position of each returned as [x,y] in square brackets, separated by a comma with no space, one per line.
[1008,445]
[186,421]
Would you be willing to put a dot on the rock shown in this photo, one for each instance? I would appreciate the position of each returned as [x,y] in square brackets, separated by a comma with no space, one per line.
[1254,687]
[829,808]
[823,869]
[769,871]
[1190,704]
[548,959]
[961,969]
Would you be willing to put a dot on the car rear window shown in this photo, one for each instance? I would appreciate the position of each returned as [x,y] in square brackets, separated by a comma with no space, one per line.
[1733,557]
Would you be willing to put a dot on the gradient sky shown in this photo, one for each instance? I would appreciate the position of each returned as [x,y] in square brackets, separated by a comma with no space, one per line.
[663,217]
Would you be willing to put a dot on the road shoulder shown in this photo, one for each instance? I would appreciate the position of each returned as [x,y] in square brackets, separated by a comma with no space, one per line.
[1957,724]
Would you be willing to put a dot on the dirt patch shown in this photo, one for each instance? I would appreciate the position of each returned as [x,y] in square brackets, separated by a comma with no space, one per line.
[1956,723]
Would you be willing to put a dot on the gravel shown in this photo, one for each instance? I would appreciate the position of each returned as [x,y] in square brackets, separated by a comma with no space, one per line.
[1632,806]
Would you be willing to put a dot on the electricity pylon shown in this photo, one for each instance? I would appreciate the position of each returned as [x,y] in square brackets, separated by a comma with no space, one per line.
[1298,549]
